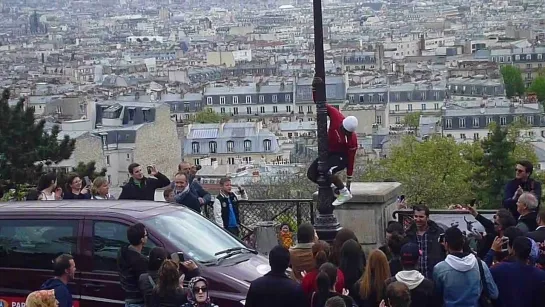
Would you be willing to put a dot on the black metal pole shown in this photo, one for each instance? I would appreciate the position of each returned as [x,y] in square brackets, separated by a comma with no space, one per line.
[326,224]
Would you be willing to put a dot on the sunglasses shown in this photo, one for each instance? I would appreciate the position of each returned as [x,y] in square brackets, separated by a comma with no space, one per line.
[199,290]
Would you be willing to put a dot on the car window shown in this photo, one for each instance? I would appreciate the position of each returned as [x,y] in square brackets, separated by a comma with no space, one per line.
[108,238]
[34,244]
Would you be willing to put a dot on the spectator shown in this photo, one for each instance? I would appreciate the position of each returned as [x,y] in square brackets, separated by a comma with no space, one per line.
[276,288]
[394,246]
[369,290]
[42,298]
[140,187]
[351,261]
[502,220]
[75,188]
[521,183]
[458,278]
[301,258]
[421,288]
[342,236]
[198,293]
[32,194]
[193,172]
[320,254]
[538,235]
[498,251]
[168,194]
[101,189]
[190,194]
[64,269]
[226,212]
[335,301]
[131,264]
[397,295]
[285,237]
[147,281]
[426,233]
[167,292]
[47,186]
[527,208]
[392,228]
[519,283]
[326,281]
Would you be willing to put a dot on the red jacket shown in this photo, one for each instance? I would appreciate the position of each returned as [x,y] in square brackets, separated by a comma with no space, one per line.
[309,282]
[338,141]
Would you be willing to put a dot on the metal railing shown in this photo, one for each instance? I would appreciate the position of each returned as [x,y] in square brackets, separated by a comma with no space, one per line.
[291,211]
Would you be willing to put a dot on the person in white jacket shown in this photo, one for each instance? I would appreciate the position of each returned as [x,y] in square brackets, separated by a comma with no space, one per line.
[226,213]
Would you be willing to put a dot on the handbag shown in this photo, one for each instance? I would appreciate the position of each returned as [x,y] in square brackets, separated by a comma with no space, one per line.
[484,298]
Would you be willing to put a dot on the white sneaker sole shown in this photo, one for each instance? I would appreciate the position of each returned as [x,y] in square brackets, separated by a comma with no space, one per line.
[338,202]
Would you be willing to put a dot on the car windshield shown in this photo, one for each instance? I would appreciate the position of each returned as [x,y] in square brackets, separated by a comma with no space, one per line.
[193,234]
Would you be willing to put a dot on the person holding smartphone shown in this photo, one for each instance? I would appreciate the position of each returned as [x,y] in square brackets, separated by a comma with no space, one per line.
[141,187]
[76,188]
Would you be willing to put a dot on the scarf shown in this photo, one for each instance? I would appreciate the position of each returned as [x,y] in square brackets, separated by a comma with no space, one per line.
[191,295]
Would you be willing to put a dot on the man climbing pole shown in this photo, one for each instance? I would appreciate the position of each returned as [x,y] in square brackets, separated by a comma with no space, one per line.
[342,147]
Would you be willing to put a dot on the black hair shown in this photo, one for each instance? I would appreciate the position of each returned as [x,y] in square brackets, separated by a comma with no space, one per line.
[335,301]
[132,166]
[522,248]
[279,259]
[398,295]
[69,181]
[528,166]
[45,181]
[32,194]
[512,233]
[394,226]
[454,238]
[421,207]
[395,243]
[135,233]
[157,256]
[325,280]
[61,264]
[352,261]
[505,219]
[305,233]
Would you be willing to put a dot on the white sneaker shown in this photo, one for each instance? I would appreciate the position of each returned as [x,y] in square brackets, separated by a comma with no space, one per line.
[343,197]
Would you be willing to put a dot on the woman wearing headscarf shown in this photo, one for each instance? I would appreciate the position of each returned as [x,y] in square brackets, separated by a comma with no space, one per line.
[198,295]
[42,298]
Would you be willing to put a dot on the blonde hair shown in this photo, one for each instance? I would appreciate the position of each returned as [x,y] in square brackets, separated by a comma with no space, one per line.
[97,184]
[376,272]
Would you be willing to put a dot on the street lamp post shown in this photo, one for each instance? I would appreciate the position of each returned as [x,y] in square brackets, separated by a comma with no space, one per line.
[326,223]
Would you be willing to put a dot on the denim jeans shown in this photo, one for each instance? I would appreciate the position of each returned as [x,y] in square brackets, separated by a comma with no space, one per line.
[133,305]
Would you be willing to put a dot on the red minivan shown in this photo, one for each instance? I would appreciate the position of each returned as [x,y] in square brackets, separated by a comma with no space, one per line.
[32,234]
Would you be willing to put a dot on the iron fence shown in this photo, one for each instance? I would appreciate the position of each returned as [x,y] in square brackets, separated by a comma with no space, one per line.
[290,211]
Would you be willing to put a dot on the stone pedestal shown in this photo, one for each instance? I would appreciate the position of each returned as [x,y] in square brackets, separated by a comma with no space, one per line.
[369,211]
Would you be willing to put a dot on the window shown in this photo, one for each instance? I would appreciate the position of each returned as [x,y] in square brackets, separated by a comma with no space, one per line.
[517,57]
[34,243]
[262,109]
[230,161]
[235,111]
[195,147]
[503,120]
[247,145]
[371,99]
[145,114]
[197,161]
[423,95]
[436,106]
[362,98]
[288,109]
[540,56]
[248,110]
[287,97]
[128,156]
[423,106]
[475,122]
[309,109]
[463,136]
[381,97]
[213,146]
[275,109]
[462,122]
[209,101]
[409,96]
[530,120]
[261,99]
[448,123]
[396,107]
[222,100]
[476,136]
[248,99]
[230,146]
[108,160]
[131,113]
[301,109]
[489,120]
[186,107]
[267,145]
[409,107]
[351,98]
[436,95]
[398,120]
[274,98]
[222,110]
[235,99]
[379,120]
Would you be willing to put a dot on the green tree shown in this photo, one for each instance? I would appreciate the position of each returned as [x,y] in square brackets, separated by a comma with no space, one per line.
[514,85]
[412,121]
[208,117]
[25,146]
[538,87]
[432,172]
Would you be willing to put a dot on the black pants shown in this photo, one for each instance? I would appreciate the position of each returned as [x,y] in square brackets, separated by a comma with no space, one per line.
[335,163]
[233,230]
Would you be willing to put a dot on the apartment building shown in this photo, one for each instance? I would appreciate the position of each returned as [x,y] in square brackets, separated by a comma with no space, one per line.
[475,87]
[528,60]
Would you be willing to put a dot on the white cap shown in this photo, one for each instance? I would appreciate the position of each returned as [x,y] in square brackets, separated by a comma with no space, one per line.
[350,123]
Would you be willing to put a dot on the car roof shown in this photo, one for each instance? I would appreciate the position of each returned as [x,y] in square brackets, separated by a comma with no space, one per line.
[133,208]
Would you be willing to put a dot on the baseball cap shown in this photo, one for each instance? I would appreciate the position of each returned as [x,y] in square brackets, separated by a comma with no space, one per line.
[409,254]
[350,123]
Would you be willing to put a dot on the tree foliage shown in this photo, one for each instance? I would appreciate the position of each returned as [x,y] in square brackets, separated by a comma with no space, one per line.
[514,85]
[538,87]
[208,117]
[25,146]
[282,186]
[412,120]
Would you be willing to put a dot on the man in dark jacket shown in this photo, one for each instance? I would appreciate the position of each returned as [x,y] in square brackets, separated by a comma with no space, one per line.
[190,193]
[226,213]
[131,264]
[140,187]
[421,288]
[539,234]
[425,233]
[276,288]
[64,268]
[521,183]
